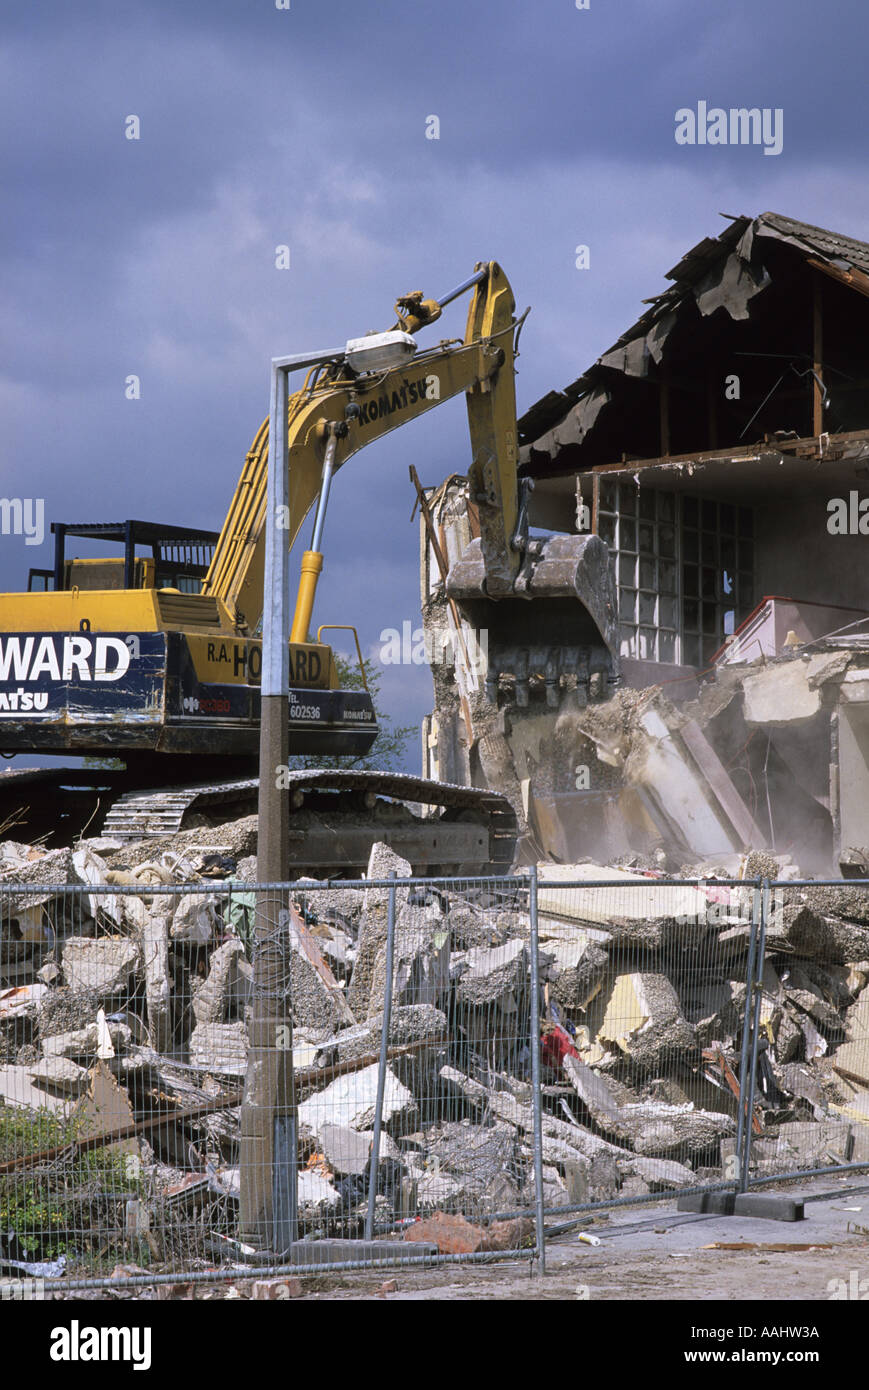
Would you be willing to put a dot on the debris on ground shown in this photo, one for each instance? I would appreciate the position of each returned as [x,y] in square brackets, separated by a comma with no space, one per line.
[126,1015]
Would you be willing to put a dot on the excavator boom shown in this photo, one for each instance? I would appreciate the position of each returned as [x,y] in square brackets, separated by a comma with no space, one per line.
[156,663]
[372,405]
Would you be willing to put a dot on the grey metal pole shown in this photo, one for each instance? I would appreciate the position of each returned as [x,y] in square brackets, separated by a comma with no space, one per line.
[474,279]
[746,1026]
[755,1036]
[381,1072]
[267,1210]
[536,1096]
[325,485]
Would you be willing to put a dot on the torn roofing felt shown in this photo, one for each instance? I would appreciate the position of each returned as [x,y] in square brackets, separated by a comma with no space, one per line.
[725,272]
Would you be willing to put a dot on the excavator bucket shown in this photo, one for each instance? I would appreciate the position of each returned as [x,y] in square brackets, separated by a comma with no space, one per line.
[555,631]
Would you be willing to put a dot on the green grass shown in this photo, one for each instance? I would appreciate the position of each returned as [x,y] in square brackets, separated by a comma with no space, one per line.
[44,1210]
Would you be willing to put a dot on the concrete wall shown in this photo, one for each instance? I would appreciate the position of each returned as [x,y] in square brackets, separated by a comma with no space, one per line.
[796,556]
[679,681]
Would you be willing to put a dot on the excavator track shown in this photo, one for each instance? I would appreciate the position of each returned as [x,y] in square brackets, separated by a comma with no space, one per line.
[476,831]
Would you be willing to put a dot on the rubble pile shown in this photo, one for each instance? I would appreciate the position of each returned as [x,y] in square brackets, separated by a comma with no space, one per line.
[126,1016]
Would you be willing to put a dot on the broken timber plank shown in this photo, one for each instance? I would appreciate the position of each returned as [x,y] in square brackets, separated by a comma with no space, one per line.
[712,768]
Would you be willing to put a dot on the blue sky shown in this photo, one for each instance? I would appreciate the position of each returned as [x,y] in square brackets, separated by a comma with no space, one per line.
[307,127]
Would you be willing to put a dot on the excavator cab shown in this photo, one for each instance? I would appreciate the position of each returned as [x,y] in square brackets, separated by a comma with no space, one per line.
[179,558]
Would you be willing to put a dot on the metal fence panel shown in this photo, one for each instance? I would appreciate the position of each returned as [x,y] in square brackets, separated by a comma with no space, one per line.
[643,1006]
[208,1079]
[810,1042]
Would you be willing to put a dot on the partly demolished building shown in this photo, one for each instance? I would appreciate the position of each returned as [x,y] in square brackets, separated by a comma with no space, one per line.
[721,450]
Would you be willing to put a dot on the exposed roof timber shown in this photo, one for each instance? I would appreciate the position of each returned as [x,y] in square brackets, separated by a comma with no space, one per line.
[722,271]
[754,480]
[853,278]
[853,446]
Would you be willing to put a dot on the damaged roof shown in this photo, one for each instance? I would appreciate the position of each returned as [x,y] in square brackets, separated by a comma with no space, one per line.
[719,272]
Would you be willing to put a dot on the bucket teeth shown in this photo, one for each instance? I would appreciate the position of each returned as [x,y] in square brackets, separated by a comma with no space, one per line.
[557,631]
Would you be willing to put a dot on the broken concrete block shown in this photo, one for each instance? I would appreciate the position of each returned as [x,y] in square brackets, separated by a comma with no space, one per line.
[219,1046]
[59,1074]
[476,1154]
[410,1023]
[563,1142]
[105,965]
[650,1127]
[421,961]
[18,1089]
[83,1044]
[19,1011]
[851,1059]
[318,1001]
[194,918]
[661,1174]
[801,1144]
[52,867]
[797,927]
[350,1101]
[494,975]
[158,990]
[710,1006]
[439,1190]
[333,905]
[661,1131]
[577,972]
[347,1151]
[211,998]
[780,695]
[856,1109]
[632,911]
[372,933]
[470,926]
[642,1018]
[850,903]
[574,1138]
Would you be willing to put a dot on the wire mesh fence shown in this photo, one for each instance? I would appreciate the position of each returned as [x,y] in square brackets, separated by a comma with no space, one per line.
[202,1079]
[809,1031]
[645,993]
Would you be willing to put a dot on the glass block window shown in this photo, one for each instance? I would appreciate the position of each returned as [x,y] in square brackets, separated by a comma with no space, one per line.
[684,569]
[639,526]
[717,574]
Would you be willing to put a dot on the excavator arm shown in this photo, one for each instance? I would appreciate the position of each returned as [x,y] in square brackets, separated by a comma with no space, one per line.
[340,411]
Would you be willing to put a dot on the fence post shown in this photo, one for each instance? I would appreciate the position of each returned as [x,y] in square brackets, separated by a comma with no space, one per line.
[536,1098]
[756,995]
[381,1071]
[746,1029]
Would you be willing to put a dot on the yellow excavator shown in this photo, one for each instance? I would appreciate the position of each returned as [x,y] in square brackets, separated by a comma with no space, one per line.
[155,659]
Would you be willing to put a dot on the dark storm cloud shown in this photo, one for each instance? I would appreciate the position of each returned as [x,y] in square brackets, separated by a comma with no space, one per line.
[307,127]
